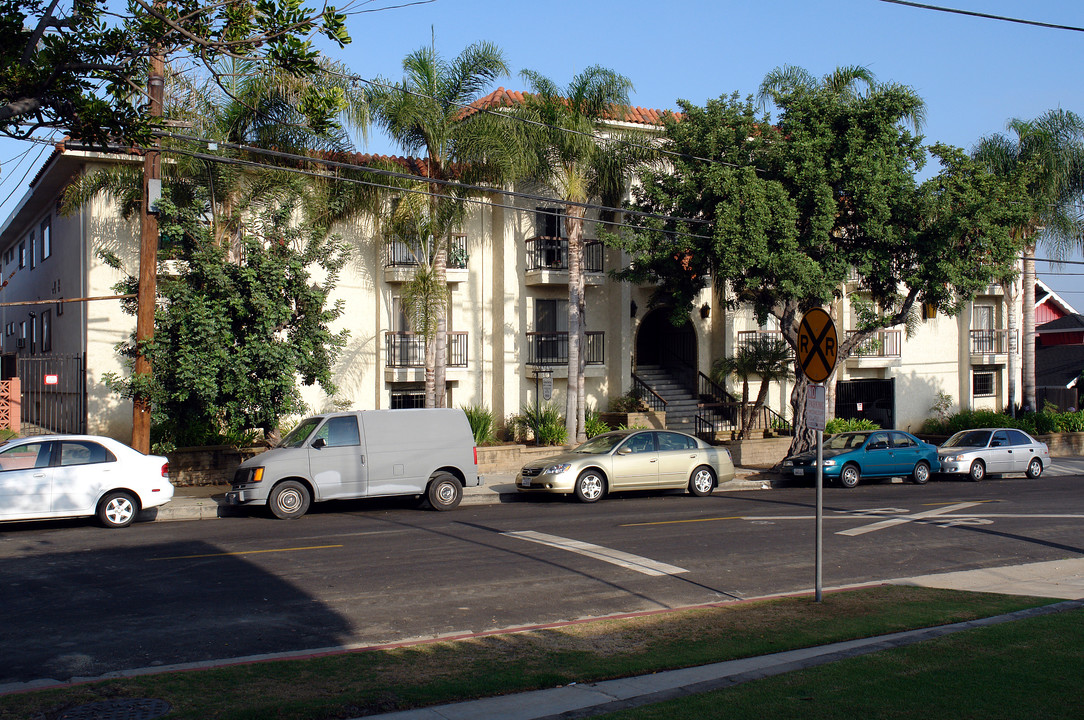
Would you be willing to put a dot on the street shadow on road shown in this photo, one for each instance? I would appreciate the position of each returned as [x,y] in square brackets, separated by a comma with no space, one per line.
[83,614]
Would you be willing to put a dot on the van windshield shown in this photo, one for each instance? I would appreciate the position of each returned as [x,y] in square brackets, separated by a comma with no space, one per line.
[296,437]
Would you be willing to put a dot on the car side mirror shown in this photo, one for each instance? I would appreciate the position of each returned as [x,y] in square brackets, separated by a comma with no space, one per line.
[624,450]
[319,443]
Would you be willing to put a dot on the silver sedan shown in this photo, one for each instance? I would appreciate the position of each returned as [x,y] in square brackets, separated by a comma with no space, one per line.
[630,460]
[993,451]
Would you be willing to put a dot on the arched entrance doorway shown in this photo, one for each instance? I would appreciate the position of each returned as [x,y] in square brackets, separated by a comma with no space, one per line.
[660,342]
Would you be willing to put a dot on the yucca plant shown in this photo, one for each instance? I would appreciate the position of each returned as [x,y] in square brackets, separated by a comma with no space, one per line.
[481,424]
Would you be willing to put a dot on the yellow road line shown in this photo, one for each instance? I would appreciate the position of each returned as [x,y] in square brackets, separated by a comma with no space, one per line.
[678,522]
[246,552]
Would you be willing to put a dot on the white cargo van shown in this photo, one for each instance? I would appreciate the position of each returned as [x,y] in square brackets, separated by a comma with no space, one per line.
[373,453]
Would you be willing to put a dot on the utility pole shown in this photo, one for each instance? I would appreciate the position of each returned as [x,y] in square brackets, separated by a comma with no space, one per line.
[148,257]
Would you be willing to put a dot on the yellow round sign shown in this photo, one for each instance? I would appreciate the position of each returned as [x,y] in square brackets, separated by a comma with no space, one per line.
[817,343]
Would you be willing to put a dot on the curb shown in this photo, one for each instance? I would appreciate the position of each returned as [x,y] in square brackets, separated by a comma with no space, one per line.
[500,490]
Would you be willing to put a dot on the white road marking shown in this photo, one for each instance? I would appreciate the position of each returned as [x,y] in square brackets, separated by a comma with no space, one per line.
[615,557]
[906,519]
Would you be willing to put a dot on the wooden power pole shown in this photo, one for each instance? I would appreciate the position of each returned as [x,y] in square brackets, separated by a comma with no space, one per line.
[148,258]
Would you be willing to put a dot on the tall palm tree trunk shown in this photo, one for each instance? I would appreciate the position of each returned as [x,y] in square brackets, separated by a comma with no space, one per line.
[1028,335]
[575,404]
[1008,287]
[440,338]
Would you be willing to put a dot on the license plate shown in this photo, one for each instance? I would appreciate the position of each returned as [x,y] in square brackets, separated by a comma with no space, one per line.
[526,482]
[799,471]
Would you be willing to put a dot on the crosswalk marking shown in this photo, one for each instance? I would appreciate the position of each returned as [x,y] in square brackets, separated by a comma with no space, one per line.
[906,519]
[615,557]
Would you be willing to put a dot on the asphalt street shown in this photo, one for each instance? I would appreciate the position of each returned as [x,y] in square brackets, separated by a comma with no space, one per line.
[80,601]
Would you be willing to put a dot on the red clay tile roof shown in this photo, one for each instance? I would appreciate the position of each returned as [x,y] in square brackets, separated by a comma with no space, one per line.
[508,98]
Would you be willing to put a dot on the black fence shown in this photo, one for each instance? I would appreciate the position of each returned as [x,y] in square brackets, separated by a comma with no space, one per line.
[407,349]
[551,253]
[54,394]
[551,348]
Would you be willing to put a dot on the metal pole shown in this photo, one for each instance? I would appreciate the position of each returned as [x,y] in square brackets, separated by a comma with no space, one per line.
[820,512]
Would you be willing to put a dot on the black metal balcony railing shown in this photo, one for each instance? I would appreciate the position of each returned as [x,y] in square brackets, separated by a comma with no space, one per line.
[884,344]
[551,253]
[748,337]
[400,254]
[551,348]
[407,349]
[990,342]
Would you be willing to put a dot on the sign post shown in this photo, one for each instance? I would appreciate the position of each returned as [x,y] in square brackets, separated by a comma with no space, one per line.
[817,344]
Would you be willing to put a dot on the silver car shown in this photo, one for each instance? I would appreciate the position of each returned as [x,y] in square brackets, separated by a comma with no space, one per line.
[630,460]
[993,451]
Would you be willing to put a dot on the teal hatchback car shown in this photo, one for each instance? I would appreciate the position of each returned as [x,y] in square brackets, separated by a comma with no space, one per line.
[849,457]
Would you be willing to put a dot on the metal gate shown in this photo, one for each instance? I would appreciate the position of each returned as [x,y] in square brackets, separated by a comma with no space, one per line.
[873,400]
[54,394]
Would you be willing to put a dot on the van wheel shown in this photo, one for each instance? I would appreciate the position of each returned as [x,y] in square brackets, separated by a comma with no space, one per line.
[444,492]
[289,500]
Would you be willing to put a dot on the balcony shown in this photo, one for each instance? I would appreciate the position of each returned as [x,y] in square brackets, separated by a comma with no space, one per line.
[400,260]
[877,351]
[551,348]
[547,261]
[404,355]
[992,347]
[749,337]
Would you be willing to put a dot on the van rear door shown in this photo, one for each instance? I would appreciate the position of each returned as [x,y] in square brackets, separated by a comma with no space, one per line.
[336,459]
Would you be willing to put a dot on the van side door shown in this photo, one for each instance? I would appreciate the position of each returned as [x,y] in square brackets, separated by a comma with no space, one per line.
[337,459]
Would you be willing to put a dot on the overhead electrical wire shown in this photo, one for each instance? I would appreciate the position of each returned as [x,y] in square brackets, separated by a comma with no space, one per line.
[988,16]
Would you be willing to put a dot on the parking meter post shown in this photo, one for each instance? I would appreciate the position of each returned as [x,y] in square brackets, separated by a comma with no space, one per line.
[820,513]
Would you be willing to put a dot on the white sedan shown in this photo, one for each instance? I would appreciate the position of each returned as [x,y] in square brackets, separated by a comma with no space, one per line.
[61,476]
[993,451]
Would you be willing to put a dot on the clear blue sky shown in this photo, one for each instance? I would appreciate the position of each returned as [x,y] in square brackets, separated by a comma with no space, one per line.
[973,73]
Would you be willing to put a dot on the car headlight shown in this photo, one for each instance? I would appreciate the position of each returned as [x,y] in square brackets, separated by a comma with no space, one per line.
[557,469]
[829,463]
[952,458]
[788,463]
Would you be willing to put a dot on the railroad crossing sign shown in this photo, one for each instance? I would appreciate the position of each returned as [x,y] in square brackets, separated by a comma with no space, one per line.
[817,343]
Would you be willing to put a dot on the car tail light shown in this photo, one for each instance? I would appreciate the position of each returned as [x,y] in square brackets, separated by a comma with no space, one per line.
[165,470]
[475,454]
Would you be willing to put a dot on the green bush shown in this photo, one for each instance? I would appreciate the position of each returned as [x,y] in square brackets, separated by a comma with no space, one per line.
[1036,423]
[838,425]
[630,402]
[481,424]
[594,426]
[545,423]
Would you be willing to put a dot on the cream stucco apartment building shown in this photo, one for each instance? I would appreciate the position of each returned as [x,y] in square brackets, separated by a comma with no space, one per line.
[508,284]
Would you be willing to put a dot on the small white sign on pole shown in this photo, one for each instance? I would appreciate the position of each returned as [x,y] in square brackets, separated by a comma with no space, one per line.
[814,407]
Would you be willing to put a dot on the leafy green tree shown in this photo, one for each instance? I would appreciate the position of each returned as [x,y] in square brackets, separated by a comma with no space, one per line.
[76,67]
[1047,156]
[424,113]
[821,204]
[233,340]
[570,149]
[766,358]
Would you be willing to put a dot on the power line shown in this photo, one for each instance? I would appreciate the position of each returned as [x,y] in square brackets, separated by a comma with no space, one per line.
[418,178]
[411,177]
[28,169]
[987,16]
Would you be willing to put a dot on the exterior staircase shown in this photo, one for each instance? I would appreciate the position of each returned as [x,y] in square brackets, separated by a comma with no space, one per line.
[681,402]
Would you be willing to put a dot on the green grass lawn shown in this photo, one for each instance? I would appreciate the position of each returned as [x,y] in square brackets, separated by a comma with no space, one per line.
[1026,669]
[365,682]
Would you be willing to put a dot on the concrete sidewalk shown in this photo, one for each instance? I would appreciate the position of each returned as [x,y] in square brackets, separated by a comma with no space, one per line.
[207,502]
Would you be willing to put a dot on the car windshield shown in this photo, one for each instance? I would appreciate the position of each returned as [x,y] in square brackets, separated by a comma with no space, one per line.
[600,444]
[296,437]
[845,441]
[968,438]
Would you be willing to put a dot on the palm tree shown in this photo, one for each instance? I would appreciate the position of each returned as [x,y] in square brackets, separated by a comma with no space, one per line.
[846,83]
[767,358]
[424,113]
[1047,154]
[570,150]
